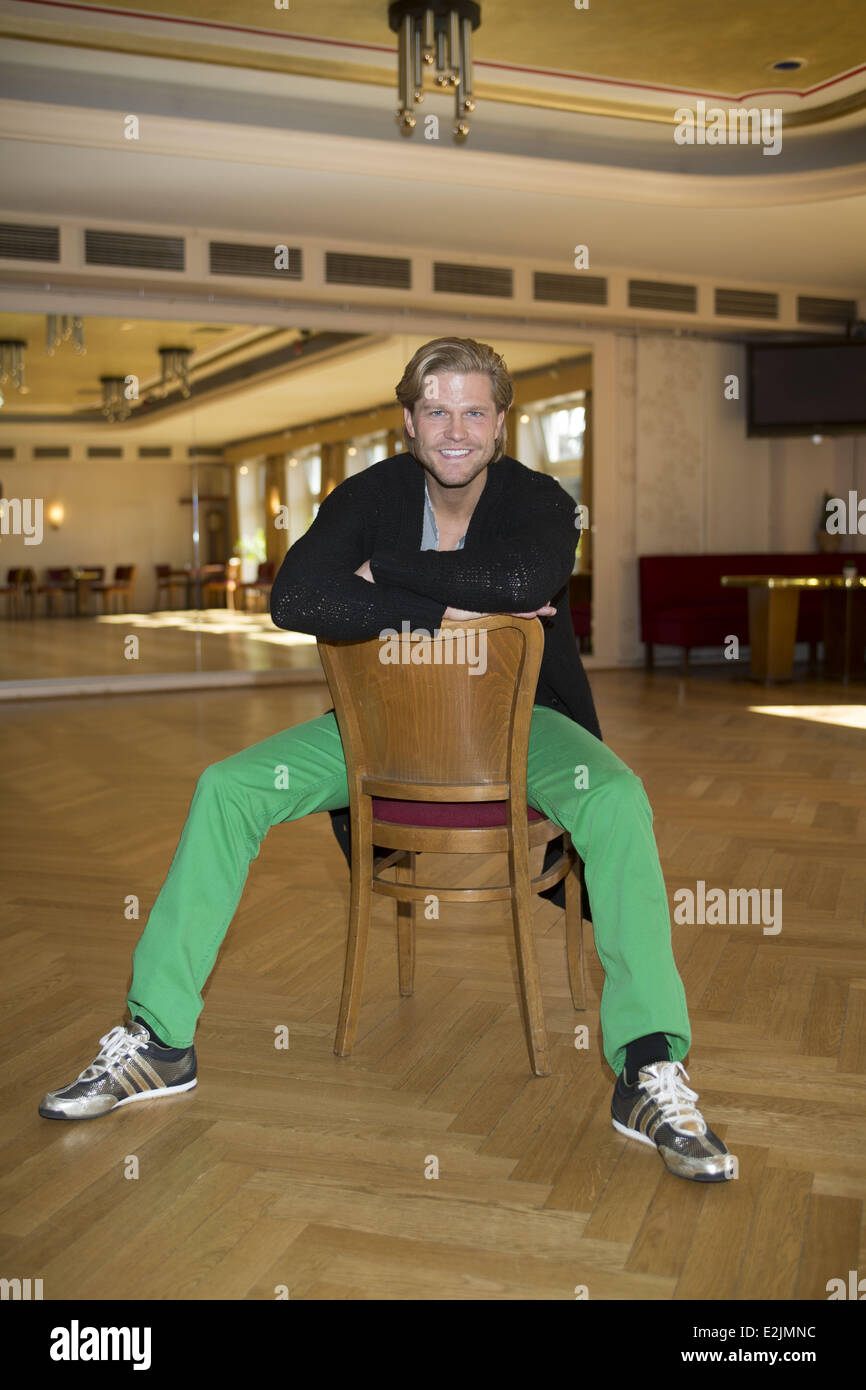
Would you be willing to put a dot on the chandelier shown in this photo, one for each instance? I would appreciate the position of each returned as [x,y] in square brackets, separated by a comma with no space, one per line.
[175,368]
[439,33]
[12,363]
[115,405]
[60,328]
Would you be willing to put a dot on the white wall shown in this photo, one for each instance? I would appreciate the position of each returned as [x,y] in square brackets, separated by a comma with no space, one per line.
[674,473]
[116,514]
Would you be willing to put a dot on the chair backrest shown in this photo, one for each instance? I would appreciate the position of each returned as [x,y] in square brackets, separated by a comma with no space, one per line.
[438,718]
[162,571]
[266,572]
[124,573]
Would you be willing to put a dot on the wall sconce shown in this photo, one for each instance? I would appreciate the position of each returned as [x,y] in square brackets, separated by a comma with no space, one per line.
[56,515]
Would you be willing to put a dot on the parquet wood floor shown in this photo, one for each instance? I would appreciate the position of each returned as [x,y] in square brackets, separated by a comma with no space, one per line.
[296,1168]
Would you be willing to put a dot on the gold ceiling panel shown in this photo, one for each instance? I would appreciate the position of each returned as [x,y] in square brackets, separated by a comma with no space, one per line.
[725,48]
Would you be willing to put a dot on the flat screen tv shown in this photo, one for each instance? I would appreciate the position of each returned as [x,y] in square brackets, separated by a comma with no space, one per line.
[807,388]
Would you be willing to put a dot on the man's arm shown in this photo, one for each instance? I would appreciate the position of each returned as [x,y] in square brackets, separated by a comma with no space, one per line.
[517,571]
[317,590]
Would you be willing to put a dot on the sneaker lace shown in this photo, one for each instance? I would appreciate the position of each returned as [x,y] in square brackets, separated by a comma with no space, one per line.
[675,1100]
[113,1048]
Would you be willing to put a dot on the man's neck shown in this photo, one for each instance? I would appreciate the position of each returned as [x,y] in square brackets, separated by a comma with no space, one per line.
[455,504]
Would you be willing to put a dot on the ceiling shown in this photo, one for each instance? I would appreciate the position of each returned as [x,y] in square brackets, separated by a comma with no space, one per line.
[281,122]
[727,49]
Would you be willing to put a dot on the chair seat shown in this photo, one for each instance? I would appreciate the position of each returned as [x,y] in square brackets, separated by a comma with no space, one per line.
[448,814]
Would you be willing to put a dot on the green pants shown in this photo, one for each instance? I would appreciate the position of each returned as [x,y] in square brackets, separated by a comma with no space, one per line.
[572,778]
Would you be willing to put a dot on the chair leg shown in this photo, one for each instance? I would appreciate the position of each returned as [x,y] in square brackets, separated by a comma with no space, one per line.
[360,907]
[406,927]
[527,964]
[574,936]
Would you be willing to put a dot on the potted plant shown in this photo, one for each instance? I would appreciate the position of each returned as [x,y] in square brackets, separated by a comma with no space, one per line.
[253,552]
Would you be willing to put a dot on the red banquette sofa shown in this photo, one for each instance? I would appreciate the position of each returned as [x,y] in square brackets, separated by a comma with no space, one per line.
[683,604]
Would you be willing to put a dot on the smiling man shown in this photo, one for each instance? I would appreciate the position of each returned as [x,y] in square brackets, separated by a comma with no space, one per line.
[453,528]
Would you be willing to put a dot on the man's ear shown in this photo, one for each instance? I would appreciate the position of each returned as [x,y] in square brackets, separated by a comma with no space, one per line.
[408,422]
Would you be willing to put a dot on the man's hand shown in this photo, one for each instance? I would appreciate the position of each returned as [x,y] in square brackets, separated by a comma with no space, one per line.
[463,615]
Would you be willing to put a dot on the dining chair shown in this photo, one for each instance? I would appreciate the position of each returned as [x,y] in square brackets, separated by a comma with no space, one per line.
[222,580]
[436,751]
[261,585]
[124,578]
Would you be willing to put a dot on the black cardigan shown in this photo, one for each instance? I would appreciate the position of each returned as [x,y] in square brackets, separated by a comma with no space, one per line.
[518,554]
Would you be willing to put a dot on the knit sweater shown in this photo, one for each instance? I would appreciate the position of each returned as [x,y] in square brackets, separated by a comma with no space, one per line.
[518,555]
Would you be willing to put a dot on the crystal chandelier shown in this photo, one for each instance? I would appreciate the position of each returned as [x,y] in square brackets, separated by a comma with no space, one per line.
[12,363]
[175,368]
[439,33]
[60,328]
[115,406]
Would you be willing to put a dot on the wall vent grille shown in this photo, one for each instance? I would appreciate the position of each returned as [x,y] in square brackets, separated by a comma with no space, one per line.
[238,258]
[496,282]
[136,250]
[379,272]
[661,294]
[569,289]
[19,242]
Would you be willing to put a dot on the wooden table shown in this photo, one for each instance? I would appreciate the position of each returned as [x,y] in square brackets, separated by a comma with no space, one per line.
[774,602]
[83,580]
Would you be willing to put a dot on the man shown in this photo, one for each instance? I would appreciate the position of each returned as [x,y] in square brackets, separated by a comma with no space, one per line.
[451,529]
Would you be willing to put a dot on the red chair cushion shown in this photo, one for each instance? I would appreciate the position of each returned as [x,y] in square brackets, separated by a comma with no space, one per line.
[467,815]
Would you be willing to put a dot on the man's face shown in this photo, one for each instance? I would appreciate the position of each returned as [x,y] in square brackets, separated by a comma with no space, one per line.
[454,425]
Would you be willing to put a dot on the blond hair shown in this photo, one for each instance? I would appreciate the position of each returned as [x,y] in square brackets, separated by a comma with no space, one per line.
[457,355]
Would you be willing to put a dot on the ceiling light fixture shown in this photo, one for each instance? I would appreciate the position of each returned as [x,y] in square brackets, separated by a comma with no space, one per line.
[12,362]
[439,33]
[115,405]
[61,328]
[175,368]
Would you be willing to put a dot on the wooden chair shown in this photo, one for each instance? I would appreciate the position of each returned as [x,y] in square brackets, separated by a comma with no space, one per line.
[167,580]
[19,591]
[436,761]
[223,581]
[262,584]
[124,578]
[58,582]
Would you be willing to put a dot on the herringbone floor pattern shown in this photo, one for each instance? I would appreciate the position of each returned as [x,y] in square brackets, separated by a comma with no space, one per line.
[295,1169]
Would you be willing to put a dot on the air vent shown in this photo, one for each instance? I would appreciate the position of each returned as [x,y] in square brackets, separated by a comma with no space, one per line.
[659,294]
[155,451]
[18,242]
[237,258]
[811,309]
[7,452]
[747,304]
[104,451]
[569,289]
[51,451]
[493,281]
[196,451]
[382,272]
[133,249]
